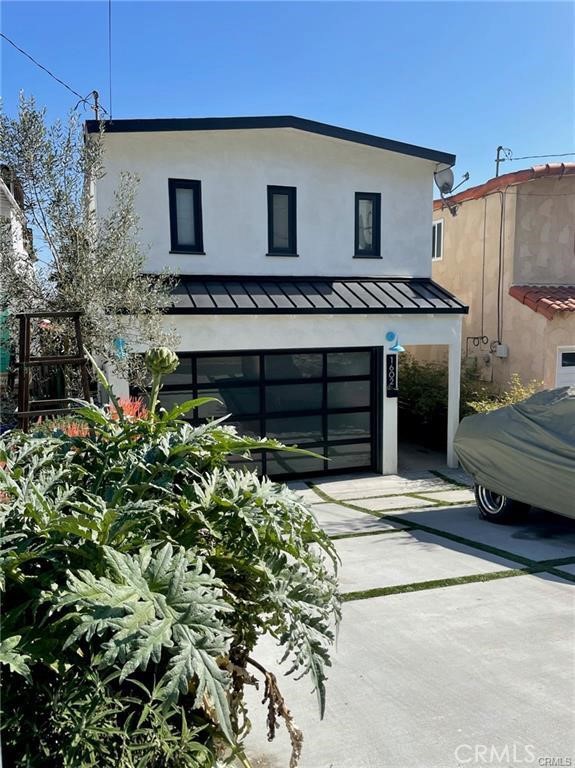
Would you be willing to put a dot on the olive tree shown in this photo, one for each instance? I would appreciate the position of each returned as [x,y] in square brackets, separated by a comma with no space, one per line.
[80,259]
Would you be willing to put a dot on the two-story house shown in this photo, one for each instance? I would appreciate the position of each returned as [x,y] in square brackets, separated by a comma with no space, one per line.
[302,251]
[509,253]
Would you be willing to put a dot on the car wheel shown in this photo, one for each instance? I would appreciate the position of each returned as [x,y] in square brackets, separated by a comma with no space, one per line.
[498,508]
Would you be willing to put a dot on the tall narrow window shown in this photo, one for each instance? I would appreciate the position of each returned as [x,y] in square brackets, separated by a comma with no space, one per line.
[282,221]
[437,241]
[186,216]
[368,225]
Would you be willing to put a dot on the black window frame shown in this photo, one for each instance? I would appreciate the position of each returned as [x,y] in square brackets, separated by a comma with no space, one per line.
[291,193]
[375,251]
[175,246]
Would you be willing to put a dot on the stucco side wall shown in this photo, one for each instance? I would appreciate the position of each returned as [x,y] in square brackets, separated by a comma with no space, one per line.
[469,268]
[242,332]
[525,334]
[545,239]
[236,166]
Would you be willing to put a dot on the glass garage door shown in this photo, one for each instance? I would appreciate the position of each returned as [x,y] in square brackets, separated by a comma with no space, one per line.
[324,400]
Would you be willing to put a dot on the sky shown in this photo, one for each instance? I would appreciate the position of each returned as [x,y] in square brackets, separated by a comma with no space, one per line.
[463,77]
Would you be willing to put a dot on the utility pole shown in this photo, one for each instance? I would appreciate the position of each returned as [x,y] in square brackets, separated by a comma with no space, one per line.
[96,106]
[499,159]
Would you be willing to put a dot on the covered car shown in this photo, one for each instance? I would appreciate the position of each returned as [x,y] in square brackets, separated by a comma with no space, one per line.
[522,455]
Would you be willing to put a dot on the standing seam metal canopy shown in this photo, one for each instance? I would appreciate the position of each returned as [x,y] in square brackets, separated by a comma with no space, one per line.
[208,294]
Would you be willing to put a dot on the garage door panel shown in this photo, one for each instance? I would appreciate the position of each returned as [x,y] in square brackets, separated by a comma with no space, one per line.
[296,464]
[295,429]
[349,456]
[348,394]
[294,366]
[216,370]
[283,398]
[239,401]
[349,363]
[320,399]
[347,426]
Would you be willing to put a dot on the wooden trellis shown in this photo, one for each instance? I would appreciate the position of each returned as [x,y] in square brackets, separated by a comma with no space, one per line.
[53,407]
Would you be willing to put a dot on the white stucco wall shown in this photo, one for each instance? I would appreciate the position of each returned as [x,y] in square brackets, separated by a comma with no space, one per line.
[209,333]
[236,166]
[9,210]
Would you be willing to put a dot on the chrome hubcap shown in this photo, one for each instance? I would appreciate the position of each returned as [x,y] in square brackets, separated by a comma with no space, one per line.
[491,502]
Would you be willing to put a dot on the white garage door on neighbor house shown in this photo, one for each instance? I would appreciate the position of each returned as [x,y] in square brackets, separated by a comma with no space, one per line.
[565,367]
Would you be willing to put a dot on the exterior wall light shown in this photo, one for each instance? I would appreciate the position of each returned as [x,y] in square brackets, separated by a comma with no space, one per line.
[392,336]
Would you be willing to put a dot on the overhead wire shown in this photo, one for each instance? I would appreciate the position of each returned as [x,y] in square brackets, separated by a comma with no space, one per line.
[82,99]
[534,157]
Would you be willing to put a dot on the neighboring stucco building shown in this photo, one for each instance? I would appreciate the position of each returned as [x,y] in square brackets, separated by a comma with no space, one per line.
[11,214]
[509,254]
[300,246]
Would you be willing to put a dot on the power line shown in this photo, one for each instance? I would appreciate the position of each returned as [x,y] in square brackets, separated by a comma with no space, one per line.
[82,99]
[532,157]
[37,63]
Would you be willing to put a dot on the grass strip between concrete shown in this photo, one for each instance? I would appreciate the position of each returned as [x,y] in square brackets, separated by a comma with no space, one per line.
[358,534]
[543,565]
[418,586]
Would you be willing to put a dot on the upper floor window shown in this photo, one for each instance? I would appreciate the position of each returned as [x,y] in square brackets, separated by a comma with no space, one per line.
[186,216]
[282,221]
[437,240]
[368,224]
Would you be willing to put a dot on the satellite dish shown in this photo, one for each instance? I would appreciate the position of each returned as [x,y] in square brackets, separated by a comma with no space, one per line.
[444,180]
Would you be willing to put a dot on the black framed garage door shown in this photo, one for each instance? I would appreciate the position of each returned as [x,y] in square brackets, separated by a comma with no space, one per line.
[322,399]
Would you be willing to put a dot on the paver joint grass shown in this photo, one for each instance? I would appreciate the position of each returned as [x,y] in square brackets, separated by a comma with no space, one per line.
[418,586]
[530,565]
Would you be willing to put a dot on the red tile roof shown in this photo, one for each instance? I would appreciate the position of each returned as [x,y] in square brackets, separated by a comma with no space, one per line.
[545,299]
[509,179]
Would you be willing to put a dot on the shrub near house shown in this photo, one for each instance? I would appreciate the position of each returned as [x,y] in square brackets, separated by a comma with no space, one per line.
[139,571]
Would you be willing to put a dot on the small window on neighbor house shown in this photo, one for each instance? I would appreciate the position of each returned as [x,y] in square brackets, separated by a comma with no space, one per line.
[567,359]
[367,224]
[437,241]
[186,216]
[282,221]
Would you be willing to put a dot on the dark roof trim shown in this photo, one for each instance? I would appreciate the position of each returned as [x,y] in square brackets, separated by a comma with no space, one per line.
[272,121]
[247,295]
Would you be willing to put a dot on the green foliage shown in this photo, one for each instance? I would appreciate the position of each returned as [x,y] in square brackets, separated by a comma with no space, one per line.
[515,392]
[423,394]
[86,260]
[139,572]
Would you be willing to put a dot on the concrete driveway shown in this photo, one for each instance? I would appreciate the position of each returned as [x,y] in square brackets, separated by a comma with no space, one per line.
[457,645]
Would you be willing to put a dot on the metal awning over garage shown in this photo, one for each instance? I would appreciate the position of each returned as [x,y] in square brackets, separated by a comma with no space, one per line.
[208,294]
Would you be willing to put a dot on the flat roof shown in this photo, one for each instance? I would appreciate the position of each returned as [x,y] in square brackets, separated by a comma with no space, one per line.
[270,121]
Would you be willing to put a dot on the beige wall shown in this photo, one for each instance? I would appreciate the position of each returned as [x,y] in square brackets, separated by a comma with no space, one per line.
[545,232]
[538,247]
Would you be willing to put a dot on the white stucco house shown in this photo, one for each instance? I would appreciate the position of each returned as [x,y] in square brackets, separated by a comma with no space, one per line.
[304,255]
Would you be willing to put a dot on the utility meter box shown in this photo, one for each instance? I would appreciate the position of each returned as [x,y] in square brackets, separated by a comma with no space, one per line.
[501,350]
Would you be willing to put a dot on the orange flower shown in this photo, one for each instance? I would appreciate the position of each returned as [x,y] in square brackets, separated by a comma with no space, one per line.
[72,428]
[76,429]
[132,408]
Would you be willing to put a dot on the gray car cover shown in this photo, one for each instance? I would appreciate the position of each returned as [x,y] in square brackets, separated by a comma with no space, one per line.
[525,451]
